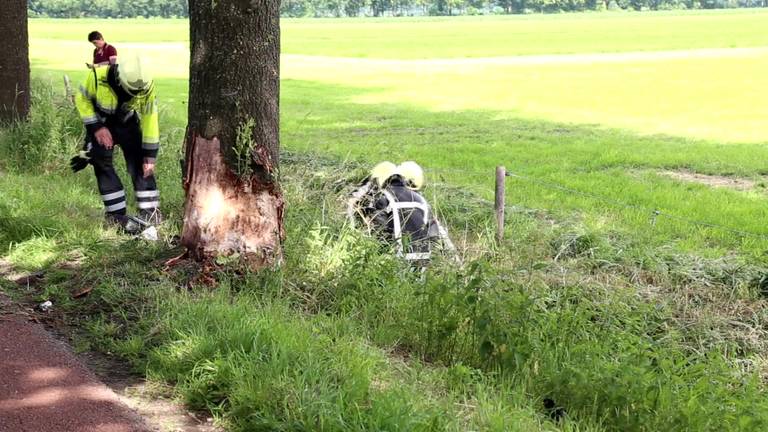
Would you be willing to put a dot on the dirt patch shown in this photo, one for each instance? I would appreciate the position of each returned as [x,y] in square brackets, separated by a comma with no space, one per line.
[10,274]
[164,414]
[735,183]
[28,280]
[153,401]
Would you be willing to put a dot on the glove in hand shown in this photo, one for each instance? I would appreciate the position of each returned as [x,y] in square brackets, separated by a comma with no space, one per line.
[79,162]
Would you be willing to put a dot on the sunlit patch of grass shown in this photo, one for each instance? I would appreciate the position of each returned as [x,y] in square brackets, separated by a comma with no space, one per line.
[34,253]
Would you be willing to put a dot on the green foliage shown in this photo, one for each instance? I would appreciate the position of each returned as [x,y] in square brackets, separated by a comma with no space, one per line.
[352,8]
[243,149]
[267,369]
[48,138]
[109,8]
[585,348]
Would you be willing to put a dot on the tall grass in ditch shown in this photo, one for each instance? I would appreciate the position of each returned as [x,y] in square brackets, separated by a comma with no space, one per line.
[611,359]
[51,134]
[606,355]
[265,367]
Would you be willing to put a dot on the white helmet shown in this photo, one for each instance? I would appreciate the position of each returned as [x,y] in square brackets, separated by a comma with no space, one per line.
[382,172]
[133,75]
[412,173]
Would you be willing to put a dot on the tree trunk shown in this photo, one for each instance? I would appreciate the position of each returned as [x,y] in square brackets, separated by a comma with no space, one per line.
[234,205]
[14,61]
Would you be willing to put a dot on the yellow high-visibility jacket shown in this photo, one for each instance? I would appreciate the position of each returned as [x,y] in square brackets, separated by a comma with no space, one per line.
[97,103]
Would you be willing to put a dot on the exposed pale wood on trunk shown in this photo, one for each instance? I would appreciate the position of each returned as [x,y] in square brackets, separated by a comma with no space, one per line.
[229,216]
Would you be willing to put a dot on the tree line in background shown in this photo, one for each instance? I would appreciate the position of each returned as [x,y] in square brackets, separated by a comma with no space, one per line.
[353,8]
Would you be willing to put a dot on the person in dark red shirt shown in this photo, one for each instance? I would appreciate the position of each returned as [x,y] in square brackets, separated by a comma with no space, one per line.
[104,54]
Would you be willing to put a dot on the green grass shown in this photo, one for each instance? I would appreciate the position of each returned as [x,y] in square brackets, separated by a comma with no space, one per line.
[344,337]
[412,38]
[719,96]
[594,127]
[628,325]
[457,148]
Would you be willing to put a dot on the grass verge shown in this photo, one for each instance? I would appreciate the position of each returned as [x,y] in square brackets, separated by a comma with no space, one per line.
[344,337]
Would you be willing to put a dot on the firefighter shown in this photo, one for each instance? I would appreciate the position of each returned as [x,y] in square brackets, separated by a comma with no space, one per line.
[389,205]
[118,106]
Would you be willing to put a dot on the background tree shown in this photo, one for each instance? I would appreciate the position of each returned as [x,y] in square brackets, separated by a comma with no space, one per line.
[14,60]
[454,6]
[327,8]
[295,8]
[233,201]
[352,7]
[379,7]
[333,8]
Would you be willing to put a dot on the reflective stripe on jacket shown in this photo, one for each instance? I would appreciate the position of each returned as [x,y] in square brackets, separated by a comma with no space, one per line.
[97,103]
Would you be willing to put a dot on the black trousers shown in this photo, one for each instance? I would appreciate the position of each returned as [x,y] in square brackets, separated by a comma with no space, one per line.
[128,137]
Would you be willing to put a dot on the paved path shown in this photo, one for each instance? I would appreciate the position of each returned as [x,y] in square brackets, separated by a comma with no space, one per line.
[43,388]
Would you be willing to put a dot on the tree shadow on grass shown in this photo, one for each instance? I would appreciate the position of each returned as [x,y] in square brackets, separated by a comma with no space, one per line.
[324,117]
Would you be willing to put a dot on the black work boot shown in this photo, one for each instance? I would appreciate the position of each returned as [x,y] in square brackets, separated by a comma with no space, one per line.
[114,220]
[151,216]
[123,223]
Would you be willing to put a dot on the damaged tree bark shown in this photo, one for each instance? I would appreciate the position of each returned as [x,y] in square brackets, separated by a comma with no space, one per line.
[234,205]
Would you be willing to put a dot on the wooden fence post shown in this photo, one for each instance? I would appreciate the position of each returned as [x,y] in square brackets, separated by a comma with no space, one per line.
[501,174]
[68,89]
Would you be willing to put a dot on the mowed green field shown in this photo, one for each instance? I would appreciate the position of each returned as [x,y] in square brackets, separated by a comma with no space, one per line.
[602,103]
[435,37]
